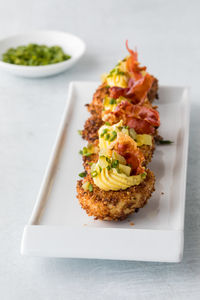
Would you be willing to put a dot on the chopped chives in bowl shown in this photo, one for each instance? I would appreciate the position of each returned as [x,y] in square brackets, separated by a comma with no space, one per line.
[35,55]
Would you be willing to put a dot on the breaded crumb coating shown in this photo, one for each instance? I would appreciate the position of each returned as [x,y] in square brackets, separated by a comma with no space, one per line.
[115,205]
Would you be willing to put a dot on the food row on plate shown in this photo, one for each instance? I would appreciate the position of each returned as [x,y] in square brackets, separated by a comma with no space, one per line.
[121,134]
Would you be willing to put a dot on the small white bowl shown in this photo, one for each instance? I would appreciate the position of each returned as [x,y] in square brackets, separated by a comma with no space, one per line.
[70,44]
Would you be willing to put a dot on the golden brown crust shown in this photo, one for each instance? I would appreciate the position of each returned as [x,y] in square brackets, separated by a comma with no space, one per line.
[115,205]
[153,93]
[88,160]
[91,127]
[147,152]
[96,106]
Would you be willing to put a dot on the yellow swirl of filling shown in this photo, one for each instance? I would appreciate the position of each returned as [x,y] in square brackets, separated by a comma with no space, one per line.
[111,171]
[112,180]
[117,77]
[117,80]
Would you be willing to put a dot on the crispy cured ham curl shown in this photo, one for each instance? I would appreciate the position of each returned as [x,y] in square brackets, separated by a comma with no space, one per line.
[141,118]
[136,90]
[139,83]
[127,148]
[139,112]
[132,64]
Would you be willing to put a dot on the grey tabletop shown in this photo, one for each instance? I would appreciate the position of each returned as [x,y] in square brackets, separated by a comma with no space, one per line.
[167,36]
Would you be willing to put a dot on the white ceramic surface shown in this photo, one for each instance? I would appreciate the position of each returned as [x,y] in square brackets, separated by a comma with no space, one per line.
[60,228]
[71,45]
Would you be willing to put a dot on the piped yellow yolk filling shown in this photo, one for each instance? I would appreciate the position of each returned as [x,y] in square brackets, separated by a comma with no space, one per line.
[113,180]
[117,77]
[111,171]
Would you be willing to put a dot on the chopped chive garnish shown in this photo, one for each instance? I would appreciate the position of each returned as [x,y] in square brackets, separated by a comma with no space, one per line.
[112,101]
[114,163]
[100,169]
[165,142]
[87,154]
[108,160]
[107,123]
[94,173]
[115,71]
[143,175]
[85,150]
[118,170]
[104,132]
[108,167]
[90,163]
[120,73]
[80,132]
[111,72]
[35,55]
[83,174]
[90,187]
[107,136]
[113,136]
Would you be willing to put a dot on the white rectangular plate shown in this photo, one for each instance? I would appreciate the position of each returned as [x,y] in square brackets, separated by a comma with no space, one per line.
[59,227]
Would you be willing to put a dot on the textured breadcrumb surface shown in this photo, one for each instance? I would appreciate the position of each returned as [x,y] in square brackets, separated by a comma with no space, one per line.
[115,205]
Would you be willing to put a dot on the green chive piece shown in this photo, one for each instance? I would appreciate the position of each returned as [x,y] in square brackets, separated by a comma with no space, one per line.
[90,188]
[108,167]
[80,132]
[112,101]
[120,73]
[107,123]
[85,150]
[81,152]
[83,174]
[165,142]
[94,174]
[107,136]
[104,132]
[143,175]
[114,163]
[108,160]
[87,154]
[113,136]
